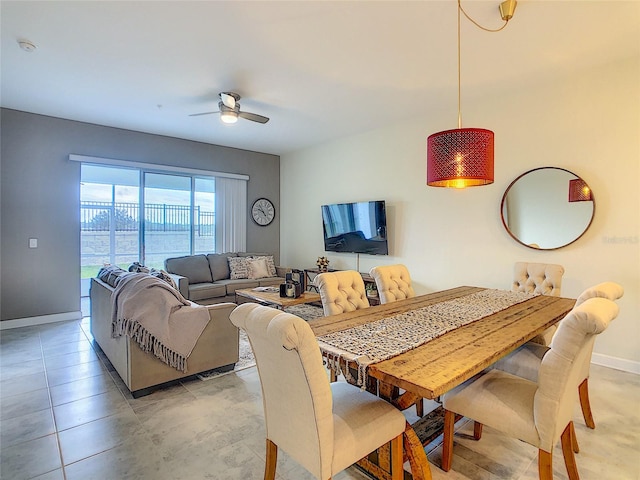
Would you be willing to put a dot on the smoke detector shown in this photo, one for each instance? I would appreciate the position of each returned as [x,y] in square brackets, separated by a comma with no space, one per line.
[26,45]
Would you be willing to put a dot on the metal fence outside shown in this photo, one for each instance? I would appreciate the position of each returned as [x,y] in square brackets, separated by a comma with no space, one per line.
[99,217]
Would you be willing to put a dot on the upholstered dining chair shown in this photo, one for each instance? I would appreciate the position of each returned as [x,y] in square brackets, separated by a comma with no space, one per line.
[538,413]
[525,361]
[542,278]
[326,427]
[341,291]
[393,282]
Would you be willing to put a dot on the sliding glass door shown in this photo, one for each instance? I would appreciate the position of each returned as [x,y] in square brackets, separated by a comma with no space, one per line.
[167,218]
[109,219]
[204,215]
[179,217]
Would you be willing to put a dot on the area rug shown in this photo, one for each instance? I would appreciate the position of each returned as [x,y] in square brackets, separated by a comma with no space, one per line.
[246,360]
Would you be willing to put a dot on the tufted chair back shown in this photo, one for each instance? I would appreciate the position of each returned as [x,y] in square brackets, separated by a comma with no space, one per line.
[324,427]
[543,278]
[610,290]
[341,291]
[393,282]
[561,367]
[296,393]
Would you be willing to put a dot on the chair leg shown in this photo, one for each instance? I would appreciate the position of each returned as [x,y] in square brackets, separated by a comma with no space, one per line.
[477,430]
[420,407]
[545,465]
[397,470]
[567,452]
[447,443]
[333,375]
[574,439]
[583,390]
[272,460]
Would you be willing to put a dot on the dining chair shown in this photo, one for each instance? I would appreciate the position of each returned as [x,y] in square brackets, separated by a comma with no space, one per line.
[393,282]
[538,413]
[525,361]
[326,427]
[541,278]
[341,291]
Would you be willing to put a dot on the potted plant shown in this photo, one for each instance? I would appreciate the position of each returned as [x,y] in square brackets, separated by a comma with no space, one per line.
[371,290]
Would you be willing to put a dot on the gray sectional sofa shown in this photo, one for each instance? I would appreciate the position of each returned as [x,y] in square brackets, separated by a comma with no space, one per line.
[217,347]
[208,279]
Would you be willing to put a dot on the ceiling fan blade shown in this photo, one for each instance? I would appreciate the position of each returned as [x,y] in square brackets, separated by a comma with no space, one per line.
[228,100]
[205,113]
[254,117]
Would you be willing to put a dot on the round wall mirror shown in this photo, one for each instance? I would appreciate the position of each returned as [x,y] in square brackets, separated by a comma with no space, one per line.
[547,208]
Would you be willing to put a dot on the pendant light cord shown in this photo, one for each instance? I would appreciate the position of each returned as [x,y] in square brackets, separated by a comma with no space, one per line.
[459,75]
[460,9]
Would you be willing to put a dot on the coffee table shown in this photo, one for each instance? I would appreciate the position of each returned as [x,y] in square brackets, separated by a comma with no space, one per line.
[273,299]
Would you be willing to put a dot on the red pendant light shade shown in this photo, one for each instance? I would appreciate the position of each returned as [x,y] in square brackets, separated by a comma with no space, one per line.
[463,157]
[460,158]
[579,191]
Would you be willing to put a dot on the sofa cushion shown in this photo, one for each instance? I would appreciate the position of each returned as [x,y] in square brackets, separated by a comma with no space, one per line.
[233,285]
[270,281]
[202,291]
[219,265]
[239,268]
[194,267]
[258,268]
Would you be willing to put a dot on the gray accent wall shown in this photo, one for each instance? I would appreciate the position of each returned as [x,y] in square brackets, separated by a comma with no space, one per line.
[40,195]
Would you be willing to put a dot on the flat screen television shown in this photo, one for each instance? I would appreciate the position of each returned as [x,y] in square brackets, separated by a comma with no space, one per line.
[359,227]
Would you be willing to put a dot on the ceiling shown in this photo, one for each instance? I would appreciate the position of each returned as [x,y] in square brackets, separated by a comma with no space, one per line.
[320,70]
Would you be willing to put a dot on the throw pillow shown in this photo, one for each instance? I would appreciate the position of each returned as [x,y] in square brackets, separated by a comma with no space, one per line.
[162,275]
[271,265]
[239,268]
[111,274]
[137,268]
[258,268]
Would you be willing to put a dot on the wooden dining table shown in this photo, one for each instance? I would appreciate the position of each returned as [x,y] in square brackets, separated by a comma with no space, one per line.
[437,366]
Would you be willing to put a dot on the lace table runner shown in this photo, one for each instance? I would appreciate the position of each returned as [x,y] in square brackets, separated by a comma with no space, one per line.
[391,336]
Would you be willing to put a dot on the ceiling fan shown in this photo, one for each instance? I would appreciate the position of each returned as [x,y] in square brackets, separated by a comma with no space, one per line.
[230,110]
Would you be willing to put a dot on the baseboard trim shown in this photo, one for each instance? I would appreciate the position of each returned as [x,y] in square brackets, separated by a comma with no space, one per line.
[40,320]
[615,362]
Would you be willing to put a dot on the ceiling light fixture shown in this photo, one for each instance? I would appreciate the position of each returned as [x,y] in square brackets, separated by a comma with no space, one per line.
[228,116]
[463,157]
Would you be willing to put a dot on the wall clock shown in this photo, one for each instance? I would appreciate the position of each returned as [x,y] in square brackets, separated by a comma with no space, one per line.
[263,212]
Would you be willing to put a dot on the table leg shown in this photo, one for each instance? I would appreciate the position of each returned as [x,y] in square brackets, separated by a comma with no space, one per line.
[413,449]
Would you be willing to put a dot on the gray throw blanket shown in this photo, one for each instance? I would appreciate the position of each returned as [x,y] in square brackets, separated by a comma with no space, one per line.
[157,317]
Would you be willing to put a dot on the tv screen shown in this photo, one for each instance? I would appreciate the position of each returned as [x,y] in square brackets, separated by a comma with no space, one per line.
[355,227]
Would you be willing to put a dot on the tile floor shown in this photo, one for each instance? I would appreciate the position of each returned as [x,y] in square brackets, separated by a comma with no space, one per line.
[65,414]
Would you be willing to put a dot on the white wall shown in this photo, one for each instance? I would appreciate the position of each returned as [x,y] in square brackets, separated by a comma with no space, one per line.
[588,123]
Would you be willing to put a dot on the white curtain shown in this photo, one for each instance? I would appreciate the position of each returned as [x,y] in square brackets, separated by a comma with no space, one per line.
[231,215]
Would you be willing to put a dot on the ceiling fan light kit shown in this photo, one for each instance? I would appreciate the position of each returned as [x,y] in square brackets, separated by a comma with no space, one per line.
[463,157]
[228,116]
[229,110]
